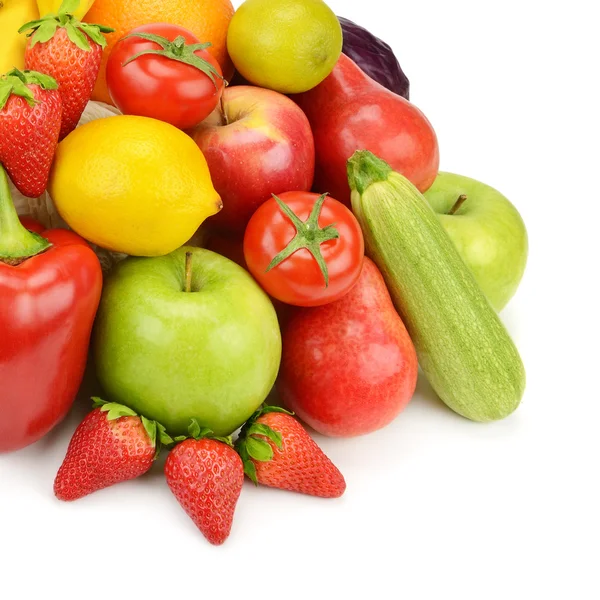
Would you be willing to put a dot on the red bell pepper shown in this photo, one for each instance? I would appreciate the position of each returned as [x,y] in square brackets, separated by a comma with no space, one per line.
[50,286]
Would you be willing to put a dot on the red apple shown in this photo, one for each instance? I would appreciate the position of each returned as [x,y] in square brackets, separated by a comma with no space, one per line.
[349,111]
[261,144]
[349,367]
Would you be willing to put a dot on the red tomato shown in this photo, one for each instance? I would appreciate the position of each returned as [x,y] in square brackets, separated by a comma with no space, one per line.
[331,232]
[160,87]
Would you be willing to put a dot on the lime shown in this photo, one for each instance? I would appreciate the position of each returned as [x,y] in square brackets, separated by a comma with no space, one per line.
[286,45]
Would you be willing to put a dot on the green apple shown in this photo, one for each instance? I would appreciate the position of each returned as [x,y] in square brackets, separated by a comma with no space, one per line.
[487,230]
[210,353]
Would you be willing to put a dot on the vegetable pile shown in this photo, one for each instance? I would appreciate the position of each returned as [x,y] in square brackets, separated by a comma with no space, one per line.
[285,251]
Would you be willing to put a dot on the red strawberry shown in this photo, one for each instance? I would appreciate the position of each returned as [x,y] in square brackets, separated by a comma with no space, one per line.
[206,476]
[71,51]
[112,444]
[278,452]
[30,109]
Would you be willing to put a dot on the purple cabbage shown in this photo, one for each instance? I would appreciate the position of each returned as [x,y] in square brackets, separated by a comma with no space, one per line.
[374,57]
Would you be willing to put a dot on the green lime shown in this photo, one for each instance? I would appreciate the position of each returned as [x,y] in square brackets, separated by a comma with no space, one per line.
[286,45]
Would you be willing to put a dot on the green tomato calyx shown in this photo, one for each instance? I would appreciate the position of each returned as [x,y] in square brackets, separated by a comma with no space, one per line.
[177,50]
[309,235]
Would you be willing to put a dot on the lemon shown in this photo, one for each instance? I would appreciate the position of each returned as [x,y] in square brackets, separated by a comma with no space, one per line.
[132,184]
[286,45]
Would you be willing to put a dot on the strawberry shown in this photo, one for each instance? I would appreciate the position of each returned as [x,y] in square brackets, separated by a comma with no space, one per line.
[206,476]
[69,50]
[278,452]
[112,444]
[30,109]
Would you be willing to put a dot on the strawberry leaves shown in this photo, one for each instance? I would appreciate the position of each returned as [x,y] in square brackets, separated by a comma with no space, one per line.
[76,36]
[68,7]
[156,431]
[95,32]
[43,30]
[197,432]
[16,82]
[252,445]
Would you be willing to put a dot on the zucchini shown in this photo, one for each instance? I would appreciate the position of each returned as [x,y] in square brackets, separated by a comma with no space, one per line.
[463,348]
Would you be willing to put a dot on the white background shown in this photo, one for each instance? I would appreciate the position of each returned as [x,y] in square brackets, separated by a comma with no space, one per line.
[436,506]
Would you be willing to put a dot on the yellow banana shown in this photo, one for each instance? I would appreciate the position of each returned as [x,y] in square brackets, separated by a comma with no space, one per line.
[13,14]
[51,6]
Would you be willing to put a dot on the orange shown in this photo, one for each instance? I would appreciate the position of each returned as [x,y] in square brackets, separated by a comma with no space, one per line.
[208,20]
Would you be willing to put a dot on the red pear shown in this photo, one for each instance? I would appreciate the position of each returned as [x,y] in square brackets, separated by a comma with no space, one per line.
[349,111]
[348,367]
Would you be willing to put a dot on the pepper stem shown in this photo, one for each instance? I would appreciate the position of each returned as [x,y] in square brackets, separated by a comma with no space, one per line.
[16,242]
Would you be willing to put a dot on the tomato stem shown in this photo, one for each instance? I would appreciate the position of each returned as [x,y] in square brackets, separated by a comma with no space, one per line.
[177,50]
[308,235]
[16,242]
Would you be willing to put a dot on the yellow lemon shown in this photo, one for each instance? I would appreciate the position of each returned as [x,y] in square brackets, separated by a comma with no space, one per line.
[132,184]
[13,14]
[286,45]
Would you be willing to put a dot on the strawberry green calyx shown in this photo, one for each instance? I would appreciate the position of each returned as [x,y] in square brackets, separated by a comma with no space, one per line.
[43,30]
[177,50]
[156,431]
[197,432]
[16,82]
[251,444]
[308,235]
[16,242]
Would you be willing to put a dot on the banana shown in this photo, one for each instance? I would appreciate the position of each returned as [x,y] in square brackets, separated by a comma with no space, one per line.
[51,6]
[13,14]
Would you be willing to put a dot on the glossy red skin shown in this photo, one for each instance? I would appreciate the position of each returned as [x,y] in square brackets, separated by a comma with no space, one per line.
[158,87]
[298,279]
[349,111]
[349,368]
[267,148]
[47,308]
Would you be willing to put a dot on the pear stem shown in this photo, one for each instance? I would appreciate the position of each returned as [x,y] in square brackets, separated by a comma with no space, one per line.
[188,272]
[461,200]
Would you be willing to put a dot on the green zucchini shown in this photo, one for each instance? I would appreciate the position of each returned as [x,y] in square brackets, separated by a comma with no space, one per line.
[463,348]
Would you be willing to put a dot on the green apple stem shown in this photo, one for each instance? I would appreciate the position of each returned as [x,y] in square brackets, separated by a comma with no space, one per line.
[461,200]
[188,272]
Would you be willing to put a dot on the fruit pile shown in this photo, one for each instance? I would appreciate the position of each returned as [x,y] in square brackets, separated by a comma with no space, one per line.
[286,248]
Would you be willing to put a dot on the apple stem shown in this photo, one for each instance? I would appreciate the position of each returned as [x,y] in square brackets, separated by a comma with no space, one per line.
[188,272]
[223,113]
[461,200]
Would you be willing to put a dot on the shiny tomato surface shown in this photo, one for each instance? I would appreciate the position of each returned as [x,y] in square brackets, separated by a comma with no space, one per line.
[298,280]
[160,87]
